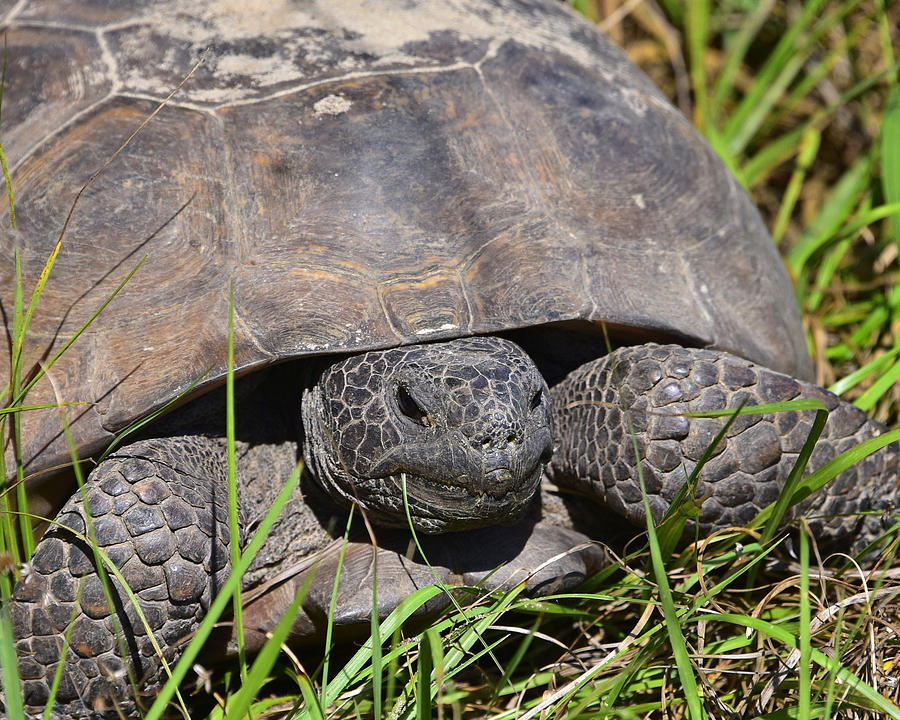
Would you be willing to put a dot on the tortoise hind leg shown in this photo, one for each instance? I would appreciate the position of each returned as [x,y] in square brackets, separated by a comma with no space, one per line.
[160,513]
[595,449]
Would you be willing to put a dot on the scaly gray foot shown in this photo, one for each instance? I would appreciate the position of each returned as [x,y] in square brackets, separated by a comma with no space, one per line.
[166,529]
[748,469]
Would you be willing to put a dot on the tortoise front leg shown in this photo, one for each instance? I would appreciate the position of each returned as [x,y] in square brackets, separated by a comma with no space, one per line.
[160,513]
[595,448]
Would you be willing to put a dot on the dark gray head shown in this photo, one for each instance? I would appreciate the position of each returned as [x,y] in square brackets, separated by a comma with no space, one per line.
[468,421]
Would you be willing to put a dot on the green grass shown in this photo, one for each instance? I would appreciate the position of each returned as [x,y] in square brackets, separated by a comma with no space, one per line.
[801,101]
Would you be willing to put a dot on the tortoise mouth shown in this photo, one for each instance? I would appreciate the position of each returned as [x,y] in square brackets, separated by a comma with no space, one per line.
[497,484]
[451,487]
[450,504]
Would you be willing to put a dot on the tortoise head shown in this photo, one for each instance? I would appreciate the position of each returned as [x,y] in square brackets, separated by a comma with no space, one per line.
[466,422]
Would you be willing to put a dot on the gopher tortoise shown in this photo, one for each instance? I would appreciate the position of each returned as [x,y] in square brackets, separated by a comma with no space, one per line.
[434,210]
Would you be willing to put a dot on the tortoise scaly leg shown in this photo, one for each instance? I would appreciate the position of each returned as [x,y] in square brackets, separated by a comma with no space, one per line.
[160,512]
[595,450]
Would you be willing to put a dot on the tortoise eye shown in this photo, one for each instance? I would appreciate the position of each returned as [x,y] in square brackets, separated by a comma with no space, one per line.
[536,400]
[409,407]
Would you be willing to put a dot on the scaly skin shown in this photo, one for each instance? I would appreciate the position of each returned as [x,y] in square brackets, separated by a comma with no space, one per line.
[595,451]
[160,512]
[468,422]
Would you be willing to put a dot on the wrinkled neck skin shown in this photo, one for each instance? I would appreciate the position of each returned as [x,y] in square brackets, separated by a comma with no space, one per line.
[467,423]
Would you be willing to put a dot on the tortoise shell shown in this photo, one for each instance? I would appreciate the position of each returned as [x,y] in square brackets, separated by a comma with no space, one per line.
[361,175]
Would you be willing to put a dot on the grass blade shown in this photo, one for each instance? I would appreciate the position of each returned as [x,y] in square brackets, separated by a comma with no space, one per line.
[805,682]
[809,148]
[186,662]
[42,370]
[311,708]
[857,376]
[787,497]
[828,267]
[815,71]
[393,621]
[697,22]
[736,52]
[375,634]
[683,505]
[890,158]
[265,660]
[673,626]
[843,198]
[836,466]
[64,651]
[872,395]
[755,169]
[25,533]
[423,677]
[9,190]
[514,662]
[233,525]
[329,627]
[9,665]
[783,62]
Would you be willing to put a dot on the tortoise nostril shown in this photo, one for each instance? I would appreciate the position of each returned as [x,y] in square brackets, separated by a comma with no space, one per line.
[496,440]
